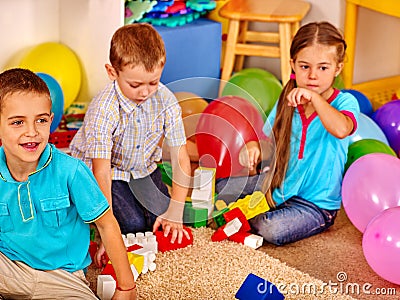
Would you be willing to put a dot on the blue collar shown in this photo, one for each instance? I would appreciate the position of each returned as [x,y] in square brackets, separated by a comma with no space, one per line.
[44,161]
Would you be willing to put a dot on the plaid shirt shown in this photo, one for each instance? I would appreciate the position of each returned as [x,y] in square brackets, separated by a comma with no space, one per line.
[128,134]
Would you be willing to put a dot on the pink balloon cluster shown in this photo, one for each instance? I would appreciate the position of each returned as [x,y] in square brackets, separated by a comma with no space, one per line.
[371,199]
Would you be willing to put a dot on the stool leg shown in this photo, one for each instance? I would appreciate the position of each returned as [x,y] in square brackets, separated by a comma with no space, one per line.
[229,52]
[350,28]
[239,61]
[285,37]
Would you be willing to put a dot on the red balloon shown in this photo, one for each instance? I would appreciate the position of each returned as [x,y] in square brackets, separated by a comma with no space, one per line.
[224,127]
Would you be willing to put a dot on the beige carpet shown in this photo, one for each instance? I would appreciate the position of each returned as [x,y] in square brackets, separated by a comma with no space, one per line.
[336,253]
[209,270]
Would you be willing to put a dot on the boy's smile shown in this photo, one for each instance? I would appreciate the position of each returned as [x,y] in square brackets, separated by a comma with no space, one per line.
[24,129]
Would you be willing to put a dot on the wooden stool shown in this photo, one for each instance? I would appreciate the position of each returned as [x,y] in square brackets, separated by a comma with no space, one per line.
[378,91]
[287,13]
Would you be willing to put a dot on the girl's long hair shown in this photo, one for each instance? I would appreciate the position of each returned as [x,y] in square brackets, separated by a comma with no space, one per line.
[322,33]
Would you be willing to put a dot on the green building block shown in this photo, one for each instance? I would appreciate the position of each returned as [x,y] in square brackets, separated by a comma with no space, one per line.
[195,217]
[218,216]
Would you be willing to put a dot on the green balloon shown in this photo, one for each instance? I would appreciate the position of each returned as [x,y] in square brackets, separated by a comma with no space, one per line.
[366,146]
[258,71]
[258,88]
[338,83]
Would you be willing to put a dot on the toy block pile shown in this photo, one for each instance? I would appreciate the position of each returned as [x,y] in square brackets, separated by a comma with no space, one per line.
[232,220]
[199,207]
[141,250]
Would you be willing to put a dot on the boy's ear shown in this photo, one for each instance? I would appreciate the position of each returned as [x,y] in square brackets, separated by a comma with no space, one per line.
[111,72]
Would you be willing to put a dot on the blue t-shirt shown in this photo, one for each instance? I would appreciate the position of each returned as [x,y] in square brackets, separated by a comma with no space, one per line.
[317,158]
[44,220]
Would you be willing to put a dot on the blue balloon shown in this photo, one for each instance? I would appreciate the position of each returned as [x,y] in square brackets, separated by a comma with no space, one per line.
[57,99]
[368,129]
[363,101]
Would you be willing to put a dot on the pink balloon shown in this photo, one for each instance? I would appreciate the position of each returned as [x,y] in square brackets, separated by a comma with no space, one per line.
[381,244]
[224,127]
[370,185]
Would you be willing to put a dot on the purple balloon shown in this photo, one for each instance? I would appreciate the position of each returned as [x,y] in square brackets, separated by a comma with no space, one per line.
[370,185]
[381,244]
[388,119]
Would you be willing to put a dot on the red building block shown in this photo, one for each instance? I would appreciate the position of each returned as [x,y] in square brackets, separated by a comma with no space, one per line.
[237,213]
[164,243]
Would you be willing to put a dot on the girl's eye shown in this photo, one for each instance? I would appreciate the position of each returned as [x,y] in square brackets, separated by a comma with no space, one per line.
[324,68]
[304,67]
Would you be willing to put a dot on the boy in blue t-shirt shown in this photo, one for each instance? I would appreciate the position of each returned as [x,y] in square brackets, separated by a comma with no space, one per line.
[47,201]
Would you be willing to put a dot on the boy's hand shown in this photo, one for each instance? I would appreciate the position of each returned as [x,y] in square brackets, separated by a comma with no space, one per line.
[100,258]
[249,155]
[170,226]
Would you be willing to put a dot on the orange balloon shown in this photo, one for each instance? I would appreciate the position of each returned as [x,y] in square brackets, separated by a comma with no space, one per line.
[190,103]
[192,106]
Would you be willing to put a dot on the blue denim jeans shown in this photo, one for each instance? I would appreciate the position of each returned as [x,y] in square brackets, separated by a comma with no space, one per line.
[293,220]
[231,189]
[137,204]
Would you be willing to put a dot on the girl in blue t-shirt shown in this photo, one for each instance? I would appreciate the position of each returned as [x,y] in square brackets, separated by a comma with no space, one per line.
[311,123]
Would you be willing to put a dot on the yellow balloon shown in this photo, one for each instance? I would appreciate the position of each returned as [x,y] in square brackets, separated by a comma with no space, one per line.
[60,62]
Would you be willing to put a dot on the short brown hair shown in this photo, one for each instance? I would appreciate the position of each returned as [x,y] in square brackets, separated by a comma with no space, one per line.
[137,44]
[19,80]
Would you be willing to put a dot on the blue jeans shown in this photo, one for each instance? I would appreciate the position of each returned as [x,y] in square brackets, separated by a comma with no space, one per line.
[137,204]
[293,220]
[231,189]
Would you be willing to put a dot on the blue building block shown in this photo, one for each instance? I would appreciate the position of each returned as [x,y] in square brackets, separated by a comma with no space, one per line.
[257,288]
[193,57]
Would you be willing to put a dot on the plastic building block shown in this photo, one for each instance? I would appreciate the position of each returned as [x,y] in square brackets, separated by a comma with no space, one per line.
[105,287]
[195,217]
[251,205]
[220,204]
[204,189]
[248,239]
[257,288]
[164,243]
[237,213]
[218,216]
[137,260]
[166,172]
[225,231]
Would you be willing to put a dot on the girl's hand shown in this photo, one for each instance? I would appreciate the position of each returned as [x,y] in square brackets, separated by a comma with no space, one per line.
[249,155]
[299,96]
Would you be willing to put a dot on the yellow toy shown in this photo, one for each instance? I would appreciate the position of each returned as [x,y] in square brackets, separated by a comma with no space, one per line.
[251,205]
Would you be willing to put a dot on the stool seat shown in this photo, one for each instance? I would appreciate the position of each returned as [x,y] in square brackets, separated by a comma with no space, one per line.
[287,13]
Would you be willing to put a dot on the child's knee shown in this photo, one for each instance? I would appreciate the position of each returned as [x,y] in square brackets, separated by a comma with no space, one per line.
[268,229]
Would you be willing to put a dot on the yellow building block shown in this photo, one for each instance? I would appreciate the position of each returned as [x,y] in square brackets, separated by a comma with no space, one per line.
[136,260]
[251,205]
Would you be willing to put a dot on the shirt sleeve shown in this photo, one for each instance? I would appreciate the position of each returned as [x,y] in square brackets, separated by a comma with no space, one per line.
[349,106]
[100,122]
[86,194]
[174,128]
